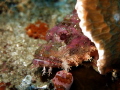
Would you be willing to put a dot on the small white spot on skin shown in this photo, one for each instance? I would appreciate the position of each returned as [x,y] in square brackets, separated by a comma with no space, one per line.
[116,17]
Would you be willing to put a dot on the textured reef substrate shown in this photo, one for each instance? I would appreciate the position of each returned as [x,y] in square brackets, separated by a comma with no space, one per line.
[16,48]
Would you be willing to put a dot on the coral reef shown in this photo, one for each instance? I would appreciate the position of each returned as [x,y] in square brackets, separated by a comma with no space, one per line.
[100,22]
[65,45]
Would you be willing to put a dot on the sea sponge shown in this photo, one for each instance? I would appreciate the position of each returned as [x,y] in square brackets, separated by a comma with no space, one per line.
[100,21]
[37,30]
[62,80]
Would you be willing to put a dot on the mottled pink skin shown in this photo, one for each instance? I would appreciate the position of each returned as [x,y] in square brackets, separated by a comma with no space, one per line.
[79,41]
[67,27]
[62,80]
[69,33]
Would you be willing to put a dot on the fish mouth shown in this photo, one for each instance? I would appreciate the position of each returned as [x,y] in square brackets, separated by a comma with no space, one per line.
[47,62]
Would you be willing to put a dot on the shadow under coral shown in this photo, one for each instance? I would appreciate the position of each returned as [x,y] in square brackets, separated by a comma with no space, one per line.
[89,79]
[86,78]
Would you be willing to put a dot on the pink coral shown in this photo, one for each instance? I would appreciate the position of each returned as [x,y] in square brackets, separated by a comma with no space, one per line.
[62,80]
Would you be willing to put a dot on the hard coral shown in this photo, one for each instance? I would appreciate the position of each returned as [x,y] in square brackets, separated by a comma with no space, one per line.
[37,30]
[100,21]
